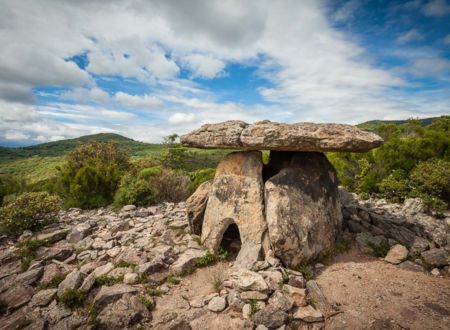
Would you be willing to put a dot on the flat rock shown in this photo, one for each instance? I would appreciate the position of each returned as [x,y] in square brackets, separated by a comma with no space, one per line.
[124,313]
[308,314]
[253,295]
[267,135]
[43,297]
[298,295]
[17,296]
[30,276]
[109,294]
[396,254]
[79,232]
[281,300]
[247,280]
[54,236]
[186,261]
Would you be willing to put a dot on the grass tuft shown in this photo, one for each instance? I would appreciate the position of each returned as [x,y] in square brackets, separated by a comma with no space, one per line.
[73,297]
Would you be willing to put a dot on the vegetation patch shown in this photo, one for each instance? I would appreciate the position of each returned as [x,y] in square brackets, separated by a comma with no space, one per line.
[148,303]
[304,268]
[73,297]
[154,292]
[27,251]
[211,258]
[380,250]
[107,280]
[254,306]
[173,279]
[23,323]
[217,283]
[29,211]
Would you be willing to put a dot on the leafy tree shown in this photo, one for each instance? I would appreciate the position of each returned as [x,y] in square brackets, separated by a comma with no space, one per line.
[92,174]
[9,185]
[171,139]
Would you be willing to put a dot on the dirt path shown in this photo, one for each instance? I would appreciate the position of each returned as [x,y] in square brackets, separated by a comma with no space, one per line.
[376,295]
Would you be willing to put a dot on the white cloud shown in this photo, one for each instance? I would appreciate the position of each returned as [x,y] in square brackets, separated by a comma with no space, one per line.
[346,11]
[84,95]
[16,136]
[447,39]
[182,118]
[436,8]
[138,101]
[411,35]
[204,66]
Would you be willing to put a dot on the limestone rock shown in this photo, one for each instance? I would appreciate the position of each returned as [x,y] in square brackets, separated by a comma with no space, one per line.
[247,280]
[217,304]
[43,297]
[281,300]
[30,276]
[303,211]
[308,314]
[298,295]
[109,294]
[436,257]
[78,233]
[124,313]
[270,317]
[237,197]
[17,296]
[196,206]
[267,135]
[53,236]
[72,281]
[222,135]
[130,278]
[396,254]
[253,295]
[186,261]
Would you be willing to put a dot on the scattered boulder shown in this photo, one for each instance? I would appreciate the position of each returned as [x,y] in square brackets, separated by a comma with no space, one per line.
[78,233]
[124,313]
[53,236]
[270,317]
[247,280]
[281,300]
[396,254]
[17,296]
[217,304]
[43,297]
[436,257]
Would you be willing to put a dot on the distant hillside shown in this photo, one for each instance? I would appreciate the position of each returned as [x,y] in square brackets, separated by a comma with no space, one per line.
[373,124]
[60,148]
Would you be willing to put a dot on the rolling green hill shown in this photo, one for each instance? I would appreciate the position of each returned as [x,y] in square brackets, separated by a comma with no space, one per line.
[373,124]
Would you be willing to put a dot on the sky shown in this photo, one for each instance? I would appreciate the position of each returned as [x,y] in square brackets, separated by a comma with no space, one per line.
[149,68]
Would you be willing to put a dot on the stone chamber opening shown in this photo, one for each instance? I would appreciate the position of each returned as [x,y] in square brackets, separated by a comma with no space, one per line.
[231,241]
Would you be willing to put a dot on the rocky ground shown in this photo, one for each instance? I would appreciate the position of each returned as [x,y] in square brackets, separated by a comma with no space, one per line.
[141,269]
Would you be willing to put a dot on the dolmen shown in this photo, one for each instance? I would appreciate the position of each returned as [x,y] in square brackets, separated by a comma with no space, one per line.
[289,205]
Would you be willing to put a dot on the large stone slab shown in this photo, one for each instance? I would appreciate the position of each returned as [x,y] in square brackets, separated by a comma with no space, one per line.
[269,135]
[196,206]
[303,211]
[237,196]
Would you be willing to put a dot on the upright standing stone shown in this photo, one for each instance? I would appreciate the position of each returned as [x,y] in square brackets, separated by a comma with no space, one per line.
[196,205]
[302,207]
[237,197]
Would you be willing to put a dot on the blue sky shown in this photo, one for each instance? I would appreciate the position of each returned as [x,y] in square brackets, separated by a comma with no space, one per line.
[146,69]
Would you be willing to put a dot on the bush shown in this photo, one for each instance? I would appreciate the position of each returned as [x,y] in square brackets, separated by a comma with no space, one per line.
[152,185]
[9,185]
[200,176]
[29,211]
[73,297]
[92,174]
[395,187]
[431,181]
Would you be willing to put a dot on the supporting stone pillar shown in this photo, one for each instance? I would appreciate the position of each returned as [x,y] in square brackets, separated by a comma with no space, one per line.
[303,212]
[237,196]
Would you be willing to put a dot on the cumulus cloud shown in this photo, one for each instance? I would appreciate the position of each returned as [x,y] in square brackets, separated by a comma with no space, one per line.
[313,71]
[204,66]
[138,101]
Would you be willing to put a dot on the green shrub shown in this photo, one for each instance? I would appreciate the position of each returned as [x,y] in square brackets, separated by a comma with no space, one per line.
[200,176]
[9,185]
[150,186]
[73,297]
[395,187]
[29,211]
[148,303]
[431,181]
[379,251]
[106,280]
[211,258]
[91,175]
[306,270]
